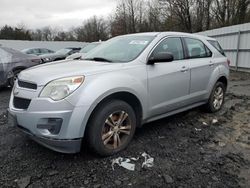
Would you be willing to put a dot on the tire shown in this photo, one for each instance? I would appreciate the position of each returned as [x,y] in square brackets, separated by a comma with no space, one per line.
[113,120]
[217,94]
[12,79]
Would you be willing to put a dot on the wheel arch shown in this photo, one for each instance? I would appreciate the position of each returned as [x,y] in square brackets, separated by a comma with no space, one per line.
[125,96]
[223,79]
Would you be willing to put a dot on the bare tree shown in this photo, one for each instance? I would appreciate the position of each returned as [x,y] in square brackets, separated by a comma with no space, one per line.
[94,29]
[180,12]
[202,17]
[229,12]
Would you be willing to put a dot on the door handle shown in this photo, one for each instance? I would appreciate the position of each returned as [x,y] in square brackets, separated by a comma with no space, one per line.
[211,63]
[184,69]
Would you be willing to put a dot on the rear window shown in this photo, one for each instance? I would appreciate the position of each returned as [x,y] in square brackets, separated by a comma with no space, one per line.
[216,44]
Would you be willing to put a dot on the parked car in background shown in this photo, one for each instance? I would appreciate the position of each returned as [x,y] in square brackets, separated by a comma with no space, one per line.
[12,62]
[37,51]
[83,51]
[59,55]
[128,81]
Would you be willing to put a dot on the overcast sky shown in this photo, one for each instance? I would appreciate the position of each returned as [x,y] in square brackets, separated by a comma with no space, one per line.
[55,13]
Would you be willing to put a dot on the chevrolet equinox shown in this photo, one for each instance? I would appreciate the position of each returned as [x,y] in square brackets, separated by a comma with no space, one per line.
[122,84]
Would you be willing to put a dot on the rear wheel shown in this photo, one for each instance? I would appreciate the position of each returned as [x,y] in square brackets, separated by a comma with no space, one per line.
[111,128]
[216,98]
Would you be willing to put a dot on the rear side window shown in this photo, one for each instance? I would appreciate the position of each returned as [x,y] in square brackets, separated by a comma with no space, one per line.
[196,48]
[216,44]
[172,46]
[44,50]
[36,51]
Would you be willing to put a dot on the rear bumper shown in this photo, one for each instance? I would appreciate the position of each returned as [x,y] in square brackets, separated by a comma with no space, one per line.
[62,146]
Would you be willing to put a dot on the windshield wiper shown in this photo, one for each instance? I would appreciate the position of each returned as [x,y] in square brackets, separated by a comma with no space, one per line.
[98,59]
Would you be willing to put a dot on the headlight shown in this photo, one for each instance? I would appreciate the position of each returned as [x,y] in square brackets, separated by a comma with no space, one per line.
[61,88]
[47,59]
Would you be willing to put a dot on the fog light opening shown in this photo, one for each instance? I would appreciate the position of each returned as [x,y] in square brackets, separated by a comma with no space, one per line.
[53,125]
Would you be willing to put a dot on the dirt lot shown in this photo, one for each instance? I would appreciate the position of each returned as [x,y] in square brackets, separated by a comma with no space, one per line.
[190,149]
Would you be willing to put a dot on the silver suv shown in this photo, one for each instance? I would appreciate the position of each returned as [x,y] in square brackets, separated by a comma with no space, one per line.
[122,84]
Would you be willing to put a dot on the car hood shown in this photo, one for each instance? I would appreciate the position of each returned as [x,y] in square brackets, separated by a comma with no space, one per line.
[45,73]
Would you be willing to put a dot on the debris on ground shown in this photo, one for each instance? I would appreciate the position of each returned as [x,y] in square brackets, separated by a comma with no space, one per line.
[123,162]
[148,162]
[126,162]
[197,129]
[204,123]
[214,121]
[135,159]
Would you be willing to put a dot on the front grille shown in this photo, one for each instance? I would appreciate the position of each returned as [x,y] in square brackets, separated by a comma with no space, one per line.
[27,85]
[21,103]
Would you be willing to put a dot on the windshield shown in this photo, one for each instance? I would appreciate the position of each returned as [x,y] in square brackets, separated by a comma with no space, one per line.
[89,47]
[120,49]
[63,51]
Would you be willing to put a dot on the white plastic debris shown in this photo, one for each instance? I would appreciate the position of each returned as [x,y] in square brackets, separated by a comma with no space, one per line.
[214,121]
[123,162]
[135,159]
[127,162]
[149,161]
[197,129]
[204,123]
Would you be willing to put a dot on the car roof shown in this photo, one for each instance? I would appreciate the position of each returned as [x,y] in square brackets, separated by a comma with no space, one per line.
[15,53]
[34,48]
[172,33]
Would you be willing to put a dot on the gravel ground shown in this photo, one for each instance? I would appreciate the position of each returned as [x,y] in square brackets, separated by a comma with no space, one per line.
[191,149]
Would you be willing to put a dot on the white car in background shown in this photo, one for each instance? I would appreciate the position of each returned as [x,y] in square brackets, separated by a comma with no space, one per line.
[83,51]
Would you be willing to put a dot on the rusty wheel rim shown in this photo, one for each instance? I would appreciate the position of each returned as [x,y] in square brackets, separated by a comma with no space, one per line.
[218,98]
[116,130]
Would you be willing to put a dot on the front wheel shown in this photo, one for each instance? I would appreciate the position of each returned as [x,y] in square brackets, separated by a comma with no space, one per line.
[216,99]
[111,128]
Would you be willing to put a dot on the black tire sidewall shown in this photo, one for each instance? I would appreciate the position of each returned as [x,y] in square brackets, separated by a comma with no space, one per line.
[94,130]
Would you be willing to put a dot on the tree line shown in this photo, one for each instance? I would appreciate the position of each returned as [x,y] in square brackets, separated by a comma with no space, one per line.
[132,16]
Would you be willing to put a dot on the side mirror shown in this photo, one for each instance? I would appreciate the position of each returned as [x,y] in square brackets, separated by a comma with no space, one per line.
[160,58]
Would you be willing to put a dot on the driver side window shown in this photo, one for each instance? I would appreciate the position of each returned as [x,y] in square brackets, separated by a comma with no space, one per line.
[172,46]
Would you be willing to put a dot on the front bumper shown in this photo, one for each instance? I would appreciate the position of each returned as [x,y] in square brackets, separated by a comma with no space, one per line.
[59,145]
[63,146]
[36,121]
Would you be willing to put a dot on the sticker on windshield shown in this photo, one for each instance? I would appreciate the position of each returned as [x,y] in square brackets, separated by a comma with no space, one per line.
[140,42]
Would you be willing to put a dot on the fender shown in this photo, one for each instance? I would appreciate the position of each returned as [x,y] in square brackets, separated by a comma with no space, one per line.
[219,72]
[98,87]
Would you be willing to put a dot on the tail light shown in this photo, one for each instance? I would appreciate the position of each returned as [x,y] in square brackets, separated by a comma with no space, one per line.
[228,62]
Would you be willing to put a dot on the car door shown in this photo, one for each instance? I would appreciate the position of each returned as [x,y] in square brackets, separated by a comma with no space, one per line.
[201,66]
[168,82]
